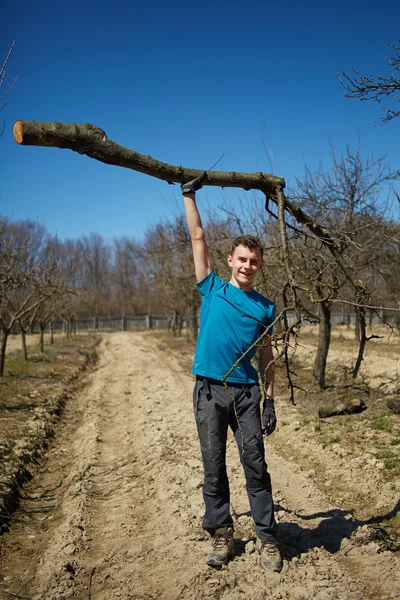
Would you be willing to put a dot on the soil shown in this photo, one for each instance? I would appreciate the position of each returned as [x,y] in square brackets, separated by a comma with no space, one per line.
[114,508]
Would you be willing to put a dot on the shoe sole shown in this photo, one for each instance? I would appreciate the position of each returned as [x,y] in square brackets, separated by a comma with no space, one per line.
[277,567]
[214,562]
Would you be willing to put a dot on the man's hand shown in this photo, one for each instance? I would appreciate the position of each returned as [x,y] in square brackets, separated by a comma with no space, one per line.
[196,184]
[268,417]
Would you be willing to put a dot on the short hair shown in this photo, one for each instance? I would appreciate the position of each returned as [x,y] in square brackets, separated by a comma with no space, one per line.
[248,241]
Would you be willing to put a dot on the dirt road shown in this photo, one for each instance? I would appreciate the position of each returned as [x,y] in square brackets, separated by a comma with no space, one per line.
[115,510]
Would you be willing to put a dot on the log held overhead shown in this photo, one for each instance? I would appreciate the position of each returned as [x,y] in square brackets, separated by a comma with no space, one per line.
[93,142]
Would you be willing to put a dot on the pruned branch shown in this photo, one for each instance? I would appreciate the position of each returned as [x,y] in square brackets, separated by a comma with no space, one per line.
[93,142]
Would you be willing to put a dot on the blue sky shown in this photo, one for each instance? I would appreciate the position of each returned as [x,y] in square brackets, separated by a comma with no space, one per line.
[184,82]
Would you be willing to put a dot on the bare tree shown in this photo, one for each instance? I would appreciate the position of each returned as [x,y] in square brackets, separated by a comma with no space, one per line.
[167,253]
[345,200]
[377,87]
[131,284]
[95,261]
[25,278]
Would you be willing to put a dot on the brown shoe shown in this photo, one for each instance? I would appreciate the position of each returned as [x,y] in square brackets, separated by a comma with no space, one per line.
[223,547]
[270,556]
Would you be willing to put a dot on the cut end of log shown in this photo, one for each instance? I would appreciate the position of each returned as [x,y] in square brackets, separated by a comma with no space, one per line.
[18,132]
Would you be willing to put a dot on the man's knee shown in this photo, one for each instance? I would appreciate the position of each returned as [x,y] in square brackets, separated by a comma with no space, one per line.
[252,455]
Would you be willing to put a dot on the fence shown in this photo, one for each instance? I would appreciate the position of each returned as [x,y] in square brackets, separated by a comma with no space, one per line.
[139,323]
[146,322]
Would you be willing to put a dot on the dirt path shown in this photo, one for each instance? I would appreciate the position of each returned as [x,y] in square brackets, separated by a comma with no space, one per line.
[115,511]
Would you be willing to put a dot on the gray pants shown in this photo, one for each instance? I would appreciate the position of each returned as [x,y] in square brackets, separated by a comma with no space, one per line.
[214,411]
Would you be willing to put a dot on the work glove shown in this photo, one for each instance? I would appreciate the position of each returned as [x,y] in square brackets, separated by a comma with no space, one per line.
[194,185]
[268,417]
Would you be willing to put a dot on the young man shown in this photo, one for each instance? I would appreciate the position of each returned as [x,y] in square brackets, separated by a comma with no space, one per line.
[232,318]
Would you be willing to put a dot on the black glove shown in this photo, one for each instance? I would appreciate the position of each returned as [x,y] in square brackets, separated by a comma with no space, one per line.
[268,417]
[194,185]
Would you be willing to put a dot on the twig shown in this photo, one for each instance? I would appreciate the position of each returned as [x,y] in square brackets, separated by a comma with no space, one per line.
[15,595]
[215,164]
[92,570]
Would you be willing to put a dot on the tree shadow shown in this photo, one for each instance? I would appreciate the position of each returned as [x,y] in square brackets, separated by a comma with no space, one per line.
[25,376]
[337,525]
[24,406]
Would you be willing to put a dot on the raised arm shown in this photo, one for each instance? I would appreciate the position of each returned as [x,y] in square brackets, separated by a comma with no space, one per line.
[201,256]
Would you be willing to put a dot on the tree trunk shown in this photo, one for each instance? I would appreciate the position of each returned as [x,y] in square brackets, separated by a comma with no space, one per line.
[180,324]
[51,333]
[41,338]
[4,336]
[357,332]
[362,338]
[24,348]
[192,320]
[324,339]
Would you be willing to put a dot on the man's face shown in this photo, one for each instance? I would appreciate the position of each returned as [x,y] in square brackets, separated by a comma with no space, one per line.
[246,265]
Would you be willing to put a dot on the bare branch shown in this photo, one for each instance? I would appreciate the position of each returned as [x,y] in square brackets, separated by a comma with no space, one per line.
[376,87]
[2,78]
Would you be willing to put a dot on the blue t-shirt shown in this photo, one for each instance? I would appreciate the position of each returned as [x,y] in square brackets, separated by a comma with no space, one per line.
[231,320]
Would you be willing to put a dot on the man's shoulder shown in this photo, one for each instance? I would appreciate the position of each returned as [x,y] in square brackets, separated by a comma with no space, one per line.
[211,277]
[210,283]
[262,299]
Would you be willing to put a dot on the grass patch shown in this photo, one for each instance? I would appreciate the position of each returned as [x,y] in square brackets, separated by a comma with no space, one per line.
[390,460]
[381,423]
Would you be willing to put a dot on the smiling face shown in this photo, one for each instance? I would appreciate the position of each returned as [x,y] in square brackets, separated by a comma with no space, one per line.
[246,263]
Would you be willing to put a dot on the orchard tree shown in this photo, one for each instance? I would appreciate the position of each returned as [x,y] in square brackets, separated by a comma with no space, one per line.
[95,258]
[25,276]
[167,253]
[131,284]
[345,199]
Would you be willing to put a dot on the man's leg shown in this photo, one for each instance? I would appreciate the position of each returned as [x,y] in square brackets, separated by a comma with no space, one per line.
[246,424]
[211,413]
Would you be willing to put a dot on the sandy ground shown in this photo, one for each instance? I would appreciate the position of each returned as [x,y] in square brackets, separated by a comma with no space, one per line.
[115,509]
